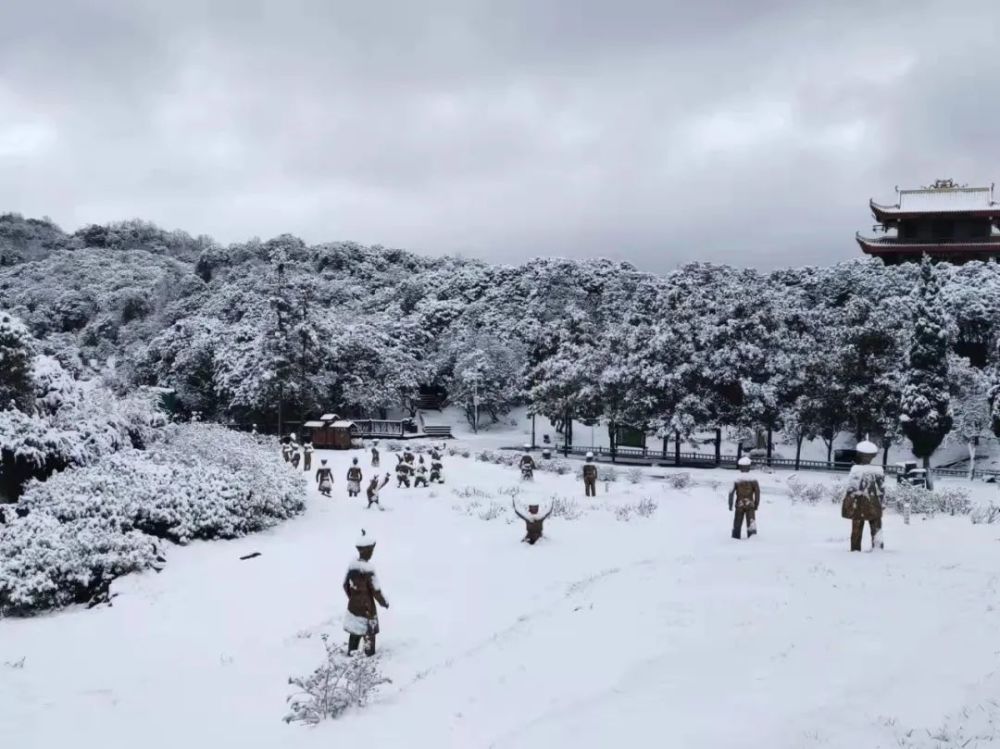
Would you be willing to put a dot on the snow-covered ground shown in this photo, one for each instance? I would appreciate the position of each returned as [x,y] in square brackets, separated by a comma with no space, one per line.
[661,631]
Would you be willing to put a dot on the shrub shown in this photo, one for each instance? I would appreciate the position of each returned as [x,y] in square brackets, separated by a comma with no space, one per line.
[679,480]
[566,509]
[634,475]
[86,526]
[605,473]
[340,682]
[45,563]
[468,492]
[492,511]
[985,514]
[953,501]
[644,508]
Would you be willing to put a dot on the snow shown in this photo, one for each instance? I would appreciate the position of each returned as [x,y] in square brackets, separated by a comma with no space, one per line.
[956,199]
[604,633]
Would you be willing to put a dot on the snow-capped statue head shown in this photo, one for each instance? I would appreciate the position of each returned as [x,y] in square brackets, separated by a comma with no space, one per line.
[365,540]
[744,464]
[590,456]
[867,448]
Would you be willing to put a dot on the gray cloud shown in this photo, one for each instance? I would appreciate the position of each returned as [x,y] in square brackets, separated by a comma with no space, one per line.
[654,132]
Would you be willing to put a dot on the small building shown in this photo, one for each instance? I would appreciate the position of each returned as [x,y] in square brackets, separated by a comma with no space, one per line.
[331,432]
[946,221]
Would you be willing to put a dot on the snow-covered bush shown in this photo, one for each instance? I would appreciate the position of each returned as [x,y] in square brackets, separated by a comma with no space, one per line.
[624,512]
[468,492]
[492,511]
[566,509]
[45,563]
[341,682]
[606,473]
[985,514]
[679,480]
[634,475]
[200,481]
[952,501]
[644,508]
[86,526]
[812,494]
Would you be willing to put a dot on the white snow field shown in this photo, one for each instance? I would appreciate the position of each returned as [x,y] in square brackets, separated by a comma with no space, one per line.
[659,631]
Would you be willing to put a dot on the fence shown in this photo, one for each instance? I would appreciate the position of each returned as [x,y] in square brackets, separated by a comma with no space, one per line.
[708,460]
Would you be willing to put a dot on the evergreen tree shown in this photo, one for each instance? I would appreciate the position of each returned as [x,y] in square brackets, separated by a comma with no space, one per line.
[926,413]
[16,355]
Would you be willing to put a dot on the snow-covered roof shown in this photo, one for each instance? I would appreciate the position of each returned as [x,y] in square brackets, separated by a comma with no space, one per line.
[944,196]
[342,424]
[329,417]
[947,199]
[314,424]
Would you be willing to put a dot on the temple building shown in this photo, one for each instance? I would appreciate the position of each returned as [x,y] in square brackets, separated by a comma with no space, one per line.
[950,222]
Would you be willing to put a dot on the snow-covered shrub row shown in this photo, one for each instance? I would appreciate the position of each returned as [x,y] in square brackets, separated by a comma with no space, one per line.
[813,493]
[46,563]
[469,492]
[199,481]
[339,683]
[87,525]
[950,500]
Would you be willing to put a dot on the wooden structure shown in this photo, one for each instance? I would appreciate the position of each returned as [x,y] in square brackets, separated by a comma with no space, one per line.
[946,221]
[331,432]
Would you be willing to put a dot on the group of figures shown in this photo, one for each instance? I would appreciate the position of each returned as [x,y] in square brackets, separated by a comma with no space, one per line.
[407,466]
[411,470]
[296,453]
[863,499]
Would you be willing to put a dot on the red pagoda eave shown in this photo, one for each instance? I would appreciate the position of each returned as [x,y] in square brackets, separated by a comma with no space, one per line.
[883,247]
[883,213]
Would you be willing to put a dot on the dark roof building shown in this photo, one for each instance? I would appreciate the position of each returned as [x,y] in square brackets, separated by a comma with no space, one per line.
[950,222]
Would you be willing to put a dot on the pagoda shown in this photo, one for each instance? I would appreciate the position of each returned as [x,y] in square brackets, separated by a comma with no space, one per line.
[946,221]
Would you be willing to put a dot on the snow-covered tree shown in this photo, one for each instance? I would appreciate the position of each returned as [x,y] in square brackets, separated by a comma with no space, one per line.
[926,416]
[16,356]
[970,406]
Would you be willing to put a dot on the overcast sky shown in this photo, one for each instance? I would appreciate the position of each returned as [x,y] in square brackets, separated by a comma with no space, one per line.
[748,131]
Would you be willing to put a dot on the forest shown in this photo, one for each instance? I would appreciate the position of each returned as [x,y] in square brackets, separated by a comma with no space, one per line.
[237,331]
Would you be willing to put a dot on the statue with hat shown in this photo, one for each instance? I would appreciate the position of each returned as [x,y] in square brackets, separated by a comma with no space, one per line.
[363,591]
[324,478]
[527,464]
[590,476]
[744,497]
[864,496]
[354,478]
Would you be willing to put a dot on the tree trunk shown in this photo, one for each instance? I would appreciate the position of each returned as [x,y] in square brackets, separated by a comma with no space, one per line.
[770,444]
[718,446]
[664,447]
[611,439]
[885,454]
[677,448]
[927,468]
[829,451]
[972,459]
[798,450]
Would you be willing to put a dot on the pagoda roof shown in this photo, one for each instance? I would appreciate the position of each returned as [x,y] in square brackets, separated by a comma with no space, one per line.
[894,246]
[943,197]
